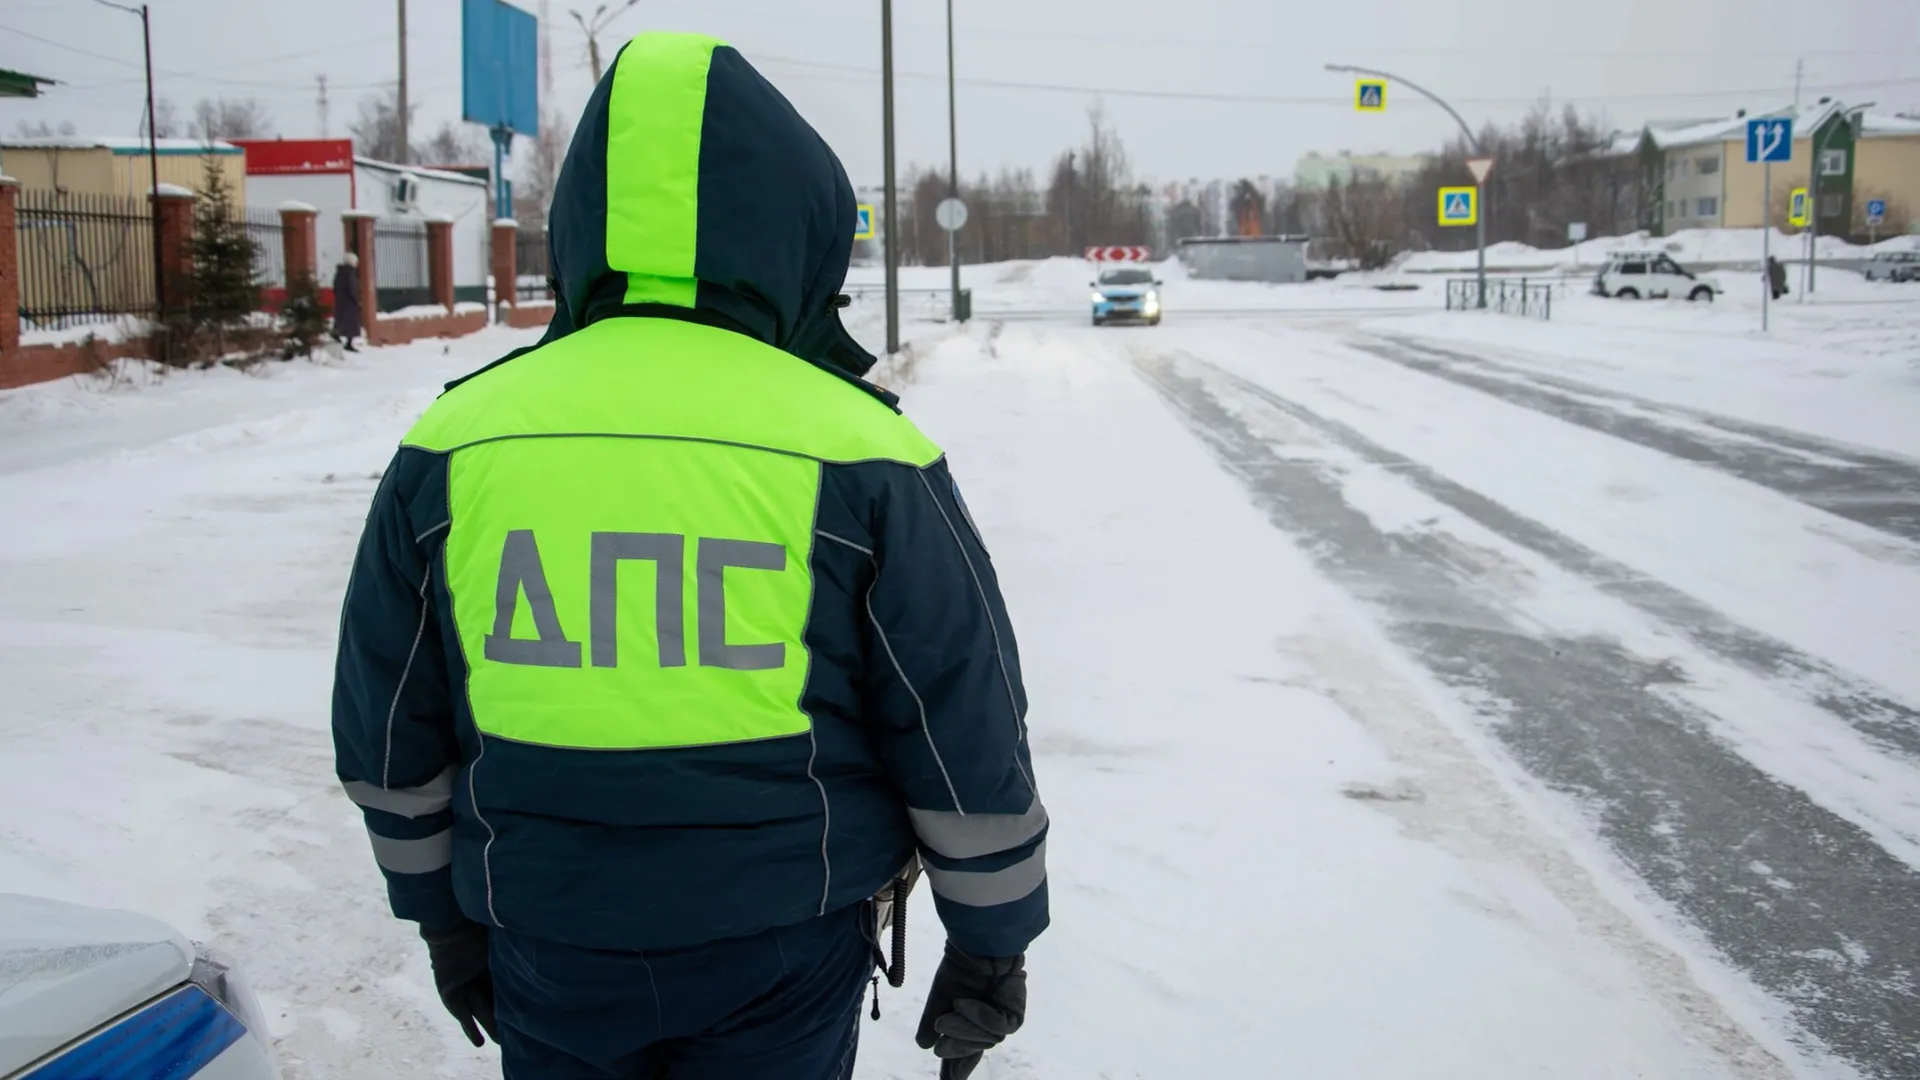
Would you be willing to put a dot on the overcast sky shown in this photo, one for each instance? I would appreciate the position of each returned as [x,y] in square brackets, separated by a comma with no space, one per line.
[1196,88]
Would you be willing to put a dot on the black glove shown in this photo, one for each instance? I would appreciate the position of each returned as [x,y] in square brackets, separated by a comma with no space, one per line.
[461,974]
[974,1003]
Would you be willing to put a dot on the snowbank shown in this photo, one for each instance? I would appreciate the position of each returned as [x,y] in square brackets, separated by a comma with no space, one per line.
[1689,245]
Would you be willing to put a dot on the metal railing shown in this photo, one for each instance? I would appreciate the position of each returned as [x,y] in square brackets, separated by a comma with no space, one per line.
[401,277]
[83,258]
[269,247]
[530,266]
[1508,296]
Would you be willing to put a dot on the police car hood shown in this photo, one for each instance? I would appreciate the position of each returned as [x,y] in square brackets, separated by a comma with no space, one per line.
[693,189]
[66,969]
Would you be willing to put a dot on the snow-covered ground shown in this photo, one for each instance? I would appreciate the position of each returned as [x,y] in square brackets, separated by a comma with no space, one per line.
[1416,694]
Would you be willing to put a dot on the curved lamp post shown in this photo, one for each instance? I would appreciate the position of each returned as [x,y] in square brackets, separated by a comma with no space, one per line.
[1480,224]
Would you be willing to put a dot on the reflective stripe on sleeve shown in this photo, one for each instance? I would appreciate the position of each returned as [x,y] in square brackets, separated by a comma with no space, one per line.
[429,798]
[1003,886]
[413,856]
[967,836]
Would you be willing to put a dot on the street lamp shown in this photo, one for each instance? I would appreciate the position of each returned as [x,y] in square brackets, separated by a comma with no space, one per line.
[1480,223]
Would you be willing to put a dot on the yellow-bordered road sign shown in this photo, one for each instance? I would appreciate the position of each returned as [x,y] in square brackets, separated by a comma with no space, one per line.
[1459,206]
[1799,208]
[1370,95]
[863,223]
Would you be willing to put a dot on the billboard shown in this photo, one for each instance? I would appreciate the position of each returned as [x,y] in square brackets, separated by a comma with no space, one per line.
[499,66]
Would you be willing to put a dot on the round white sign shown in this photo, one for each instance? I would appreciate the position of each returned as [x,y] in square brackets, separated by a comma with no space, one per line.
[951,214]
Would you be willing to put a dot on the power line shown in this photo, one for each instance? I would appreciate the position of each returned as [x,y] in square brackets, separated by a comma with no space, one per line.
[195,76]
[854,71]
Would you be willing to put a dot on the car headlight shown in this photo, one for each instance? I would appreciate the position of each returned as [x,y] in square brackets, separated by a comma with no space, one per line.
[1152,300]
[1099,298]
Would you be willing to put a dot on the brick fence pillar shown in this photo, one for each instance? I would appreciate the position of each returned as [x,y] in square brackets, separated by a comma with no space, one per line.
[358,226]
[504,251]
[298,243]
[440,260]
[9,268]
[174,206]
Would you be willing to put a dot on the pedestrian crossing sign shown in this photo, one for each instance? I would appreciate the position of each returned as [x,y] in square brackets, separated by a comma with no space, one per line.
[1370,95]
[863,222]
[1798,214]
[1459,206]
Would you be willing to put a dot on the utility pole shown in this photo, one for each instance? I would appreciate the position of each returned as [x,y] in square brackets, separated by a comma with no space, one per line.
[891,213]
[953,167]
[153,156]
[400,116]
[322,102]
[1070,185]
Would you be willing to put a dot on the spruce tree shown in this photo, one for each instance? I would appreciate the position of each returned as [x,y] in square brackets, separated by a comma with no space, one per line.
[224,293]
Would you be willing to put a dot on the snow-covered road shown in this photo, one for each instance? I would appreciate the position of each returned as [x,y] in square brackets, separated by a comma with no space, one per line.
[1409,703]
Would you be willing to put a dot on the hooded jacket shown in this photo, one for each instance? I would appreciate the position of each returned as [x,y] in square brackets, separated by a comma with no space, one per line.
[669,628]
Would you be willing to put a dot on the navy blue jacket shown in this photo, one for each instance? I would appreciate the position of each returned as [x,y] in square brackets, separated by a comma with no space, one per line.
[918,743]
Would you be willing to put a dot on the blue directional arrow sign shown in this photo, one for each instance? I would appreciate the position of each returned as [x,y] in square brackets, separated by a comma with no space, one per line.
[1876,211]
[1769,138]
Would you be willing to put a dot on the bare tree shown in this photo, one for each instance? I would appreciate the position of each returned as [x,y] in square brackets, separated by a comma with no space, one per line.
[541,172]
[376,131]
[1365,215]
[450,145]
[230,118]
[1092,198]
[43,130]
[166,120]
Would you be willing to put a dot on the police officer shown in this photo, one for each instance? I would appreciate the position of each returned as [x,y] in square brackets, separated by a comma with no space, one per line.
[670,642]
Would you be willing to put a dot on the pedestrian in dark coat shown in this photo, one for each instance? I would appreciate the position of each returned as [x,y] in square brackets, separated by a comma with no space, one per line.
[1776,277]
[346,301]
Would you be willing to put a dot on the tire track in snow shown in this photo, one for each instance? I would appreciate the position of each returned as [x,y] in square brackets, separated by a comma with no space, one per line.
[1879,491]
[1800,899]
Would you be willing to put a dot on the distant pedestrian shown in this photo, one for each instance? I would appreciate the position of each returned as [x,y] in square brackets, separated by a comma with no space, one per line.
[1776,277]
[346,301]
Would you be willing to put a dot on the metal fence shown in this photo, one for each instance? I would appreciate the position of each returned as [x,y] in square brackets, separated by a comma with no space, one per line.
[400,278]
[1508,296]
[269,247]
[83,258]
[530,266]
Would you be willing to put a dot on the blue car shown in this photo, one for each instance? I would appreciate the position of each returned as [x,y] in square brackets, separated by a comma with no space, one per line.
[1126,294]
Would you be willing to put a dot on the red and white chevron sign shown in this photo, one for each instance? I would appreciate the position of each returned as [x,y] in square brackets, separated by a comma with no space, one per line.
[1119,254]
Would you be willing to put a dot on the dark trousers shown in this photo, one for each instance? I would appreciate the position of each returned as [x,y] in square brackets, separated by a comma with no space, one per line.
[784,1003]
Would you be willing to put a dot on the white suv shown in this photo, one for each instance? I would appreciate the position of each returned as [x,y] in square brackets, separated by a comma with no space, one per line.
[1893,266]
[1652,275]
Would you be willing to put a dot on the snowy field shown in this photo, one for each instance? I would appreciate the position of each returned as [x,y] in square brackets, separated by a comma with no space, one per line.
[1416,694]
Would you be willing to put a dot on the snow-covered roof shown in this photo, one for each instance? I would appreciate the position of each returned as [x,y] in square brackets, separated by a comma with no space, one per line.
[116,143]
[1875,125]
[422,171]
[1734,128]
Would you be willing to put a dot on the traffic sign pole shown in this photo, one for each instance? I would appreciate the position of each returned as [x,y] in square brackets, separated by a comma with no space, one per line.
[1480,244]
[1769,139]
